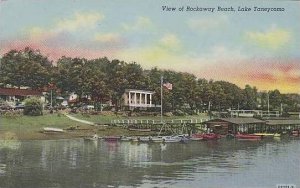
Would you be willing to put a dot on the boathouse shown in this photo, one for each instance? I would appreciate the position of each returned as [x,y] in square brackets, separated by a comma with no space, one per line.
[234,125]
[282,125]
[137,99]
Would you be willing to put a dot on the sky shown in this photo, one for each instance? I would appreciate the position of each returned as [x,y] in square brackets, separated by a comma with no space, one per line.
[258,48]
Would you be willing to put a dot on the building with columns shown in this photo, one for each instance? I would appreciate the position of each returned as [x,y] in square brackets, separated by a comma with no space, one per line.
[138,98]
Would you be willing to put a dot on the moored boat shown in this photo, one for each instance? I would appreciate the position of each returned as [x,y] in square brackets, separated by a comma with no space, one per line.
[126,138]
[53,130]
[90,138]
[265,134]
[277,135]
[171,139]
[144,139]
[248,137]
[156,139]
[211,136]
[111,138]
[140,130]
[196,137]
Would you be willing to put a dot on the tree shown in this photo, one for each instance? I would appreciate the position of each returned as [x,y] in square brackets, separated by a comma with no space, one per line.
[33,107]
[27,68]
[275,99]
[250,98]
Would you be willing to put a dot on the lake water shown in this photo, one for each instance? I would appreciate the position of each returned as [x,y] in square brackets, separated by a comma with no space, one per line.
[78,163]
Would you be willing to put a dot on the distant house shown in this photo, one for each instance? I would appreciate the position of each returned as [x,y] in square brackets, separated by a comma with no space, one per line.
[15,95]
[137,99]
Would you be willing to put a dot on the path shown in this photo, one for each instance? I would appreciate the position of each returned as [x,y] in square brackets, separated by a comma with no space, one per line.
[81,120]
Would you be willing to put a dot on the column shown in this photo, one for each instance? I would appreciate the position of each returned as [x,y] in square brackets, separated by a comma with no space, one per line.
[140,99]
[150,99]
[129,98]
[134,98]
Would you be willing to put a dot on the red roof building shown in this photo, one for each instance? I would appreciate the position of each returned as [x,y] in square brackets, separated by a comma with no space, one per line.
[19,92]
[17,95]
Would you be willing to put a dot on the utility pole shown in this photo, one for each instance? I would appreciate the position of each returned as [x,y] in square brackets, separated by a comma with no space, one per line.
[161,99]
[268,104]
[51,98]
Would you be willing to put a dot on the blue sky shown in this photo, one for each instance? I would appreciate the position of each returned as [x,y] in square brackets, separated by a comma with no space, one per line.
[257,48]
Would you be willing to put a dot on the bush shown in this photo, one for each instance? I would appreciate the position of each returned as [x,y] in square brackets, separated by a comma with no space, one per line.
[33,107]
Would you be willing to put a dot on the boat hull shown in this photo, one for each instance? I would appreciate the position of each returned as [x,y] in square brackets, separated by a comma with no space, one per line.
[111,138]
[248,137]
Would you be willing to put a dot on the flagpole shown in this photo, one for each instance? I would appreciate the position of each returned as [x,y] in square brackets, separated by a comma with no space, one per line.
[161,98]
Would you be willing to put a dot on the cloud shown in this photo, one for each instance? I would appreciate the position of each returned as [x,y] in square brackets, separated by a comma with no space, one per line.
[107,37]
[79,20]
[274,39]
[154,54]
[170,41]
[208,22]
[140,23]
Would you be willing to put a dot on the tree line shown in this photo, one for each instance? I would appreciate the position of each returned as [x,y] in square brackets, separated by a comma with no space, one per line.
[105,80]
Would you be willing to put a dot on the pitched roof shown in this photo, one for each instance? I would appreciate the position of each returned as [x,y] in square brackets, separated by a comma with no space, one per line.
[19,92]
[239,120]
[283,122]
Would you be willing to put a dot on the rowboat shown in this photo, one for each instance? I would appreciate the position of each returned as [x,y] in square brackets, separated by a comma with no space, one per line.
[51,129]
[170,139]
[196,137]
[248,137]
[156,139]
[265,134]
[93,138]
[126,138]
[111,138]
[144,139]
[140,130]
[211,136]
[277,135]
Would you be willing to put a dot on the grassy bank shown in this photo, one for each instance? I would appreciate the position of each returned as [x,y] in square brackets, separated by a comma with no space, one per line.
[30,127]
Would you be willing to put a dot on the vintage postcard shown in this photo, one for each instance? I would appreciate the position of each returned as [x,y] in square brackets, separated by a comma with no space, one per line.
[144,93]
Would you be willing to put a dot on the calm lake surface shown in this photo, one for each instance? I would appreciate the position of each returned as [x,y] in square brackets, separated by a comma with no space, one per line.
[78,163]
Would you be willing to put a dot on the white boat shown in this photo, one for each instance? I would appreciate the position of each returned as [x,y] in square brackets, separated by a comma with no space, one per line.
[51,129]
[90,139]
[170,139]
[134,139]
[144,139]
[156,139]
[126,138]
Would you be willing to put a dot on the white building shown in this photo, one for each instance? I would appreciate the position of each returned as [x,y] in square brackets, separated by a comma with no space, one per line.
[138,98]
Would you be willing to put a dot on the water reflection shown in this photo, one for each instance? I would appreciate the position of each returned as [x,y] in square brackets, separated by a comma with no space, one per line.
[78,163]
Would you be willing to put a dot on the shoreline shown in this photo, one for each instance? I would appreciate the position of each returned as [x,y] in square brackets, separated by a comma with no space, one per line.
[31,127]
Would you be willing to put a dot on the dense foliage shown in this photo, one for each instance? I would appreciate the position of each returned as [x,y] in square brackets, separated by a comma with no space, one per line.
[104,80]
[33,107]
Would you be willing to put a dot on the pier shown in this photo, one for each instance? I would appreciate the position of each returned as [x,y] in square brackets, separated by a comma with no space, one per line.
[178,126]
[218,125]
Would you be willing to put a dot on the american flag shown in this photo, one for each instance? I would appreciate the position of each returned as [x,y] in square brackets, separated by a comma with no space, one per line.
[168,85]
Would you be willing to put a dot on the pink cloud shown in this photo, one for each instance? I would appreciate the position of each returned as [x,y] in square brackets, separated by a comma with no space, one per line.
[55,47]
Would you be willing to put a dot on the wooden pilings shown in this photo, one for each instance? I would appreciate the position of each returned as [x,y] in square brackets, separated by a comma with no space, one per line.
[176,126]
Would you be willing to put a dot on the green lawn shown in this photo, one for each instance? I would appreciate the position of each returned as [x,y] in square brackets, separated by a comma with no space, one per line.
[35,122]
[30,127]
